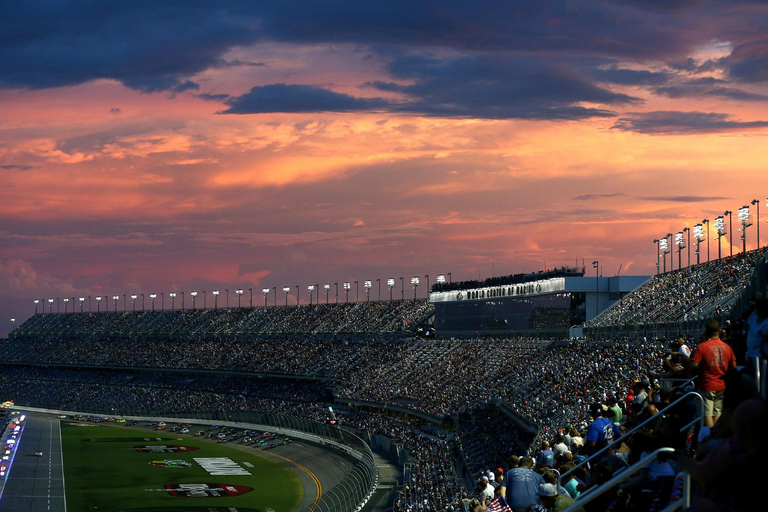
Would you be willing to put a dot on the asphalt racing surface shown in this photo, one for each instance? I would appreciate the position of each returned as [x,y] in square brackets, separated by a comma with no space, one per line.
[36,484]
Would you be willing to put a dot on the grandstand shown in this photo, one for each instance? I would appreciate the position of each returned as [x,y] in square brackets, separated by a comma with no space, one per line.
[447,409]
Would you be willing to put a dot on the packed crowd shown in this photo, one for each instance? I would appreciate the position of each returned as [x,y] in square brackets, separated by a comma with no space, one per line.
[611,374]
[695,292]
[387,317]
[542,380]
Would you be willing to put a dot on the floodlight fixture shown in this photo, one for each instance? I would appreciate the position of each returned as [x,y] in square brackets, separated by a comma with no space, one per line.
[441,279]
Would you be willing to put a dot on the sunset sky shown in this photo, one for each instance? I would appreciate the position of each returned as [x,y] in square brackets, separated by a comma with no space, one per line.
[150,147]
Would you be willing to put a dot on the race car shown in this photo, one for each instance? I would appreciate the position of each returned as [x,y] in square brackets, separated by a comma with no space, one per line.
[173,463]
[38,453]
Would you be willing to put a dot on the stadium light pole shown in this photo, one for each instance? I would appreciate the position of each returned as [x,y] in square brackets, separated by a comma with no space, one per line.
[378,283]
[98,303]
[36,301]
[402,288]
[226,297]
[265,291]
[347,286]
[698,234]
[756,202]
[172,295]
[125,302]
[90,305]
[415,283]
[729,213]
[327,287]
[337,292]
[656,241]
[367,284]
[670,237]
[133,301]
[720,231]
[250,303]
[426,276]
[142,302]
[311,289]
[744,219]
[706,221]
[440,279]
[82,301]
[688,245]
[286,289]
[66,300]
[182,301]
[239,293]
[390,285]
[450,278]
[152,297]
[297,294]
[13,323]
[215,299]
[115,298]
[274,296]
[193,293]
[597,283]
[205,300]
[50,306]
[357,291]
[663,245]
[680,243]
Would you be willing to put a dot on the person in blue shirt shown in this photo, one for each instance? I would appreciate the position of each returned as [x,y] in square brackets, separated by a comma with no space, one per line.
[602,431]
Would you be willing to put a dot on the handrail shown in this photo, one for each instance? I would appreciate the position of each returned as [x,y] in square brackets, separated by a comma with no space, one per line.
[700,402]
[593,493]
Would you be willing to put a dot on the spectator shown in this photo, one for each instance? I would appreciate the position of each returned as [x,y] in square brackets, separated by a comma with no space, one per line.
[712,359]
[521,485]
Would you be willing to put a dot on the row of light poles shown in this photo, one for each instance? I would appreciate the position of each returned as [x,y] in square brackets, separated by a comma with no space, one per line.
[664,244]
[314,291]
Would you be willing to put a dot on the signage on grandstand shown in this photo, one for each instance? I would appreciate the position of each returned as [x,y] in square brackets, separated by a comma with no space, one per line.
[163,448]
[546,286]
[203,490]
[221,466]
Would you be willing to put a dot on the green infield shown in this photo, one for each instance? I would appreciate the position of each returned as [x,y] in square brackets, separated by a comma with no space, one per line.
[116,469]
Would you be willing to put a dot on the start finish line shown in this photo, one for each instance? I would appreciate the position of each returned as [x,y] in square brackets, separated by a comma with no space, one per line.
[221,466]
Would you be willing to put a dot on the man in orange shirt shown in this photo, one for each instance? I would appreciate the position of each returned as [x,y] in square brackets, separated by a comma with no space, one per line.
[712,359]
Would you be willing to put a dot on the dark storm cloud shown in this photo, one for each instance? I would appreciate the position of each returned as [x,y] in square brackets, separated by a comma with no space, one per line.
[509,60]
[15,167]
[682,123]
[297,98]
[630,76]
[479,86]
[749,62]
[156,46]
[694,89]
[148,46]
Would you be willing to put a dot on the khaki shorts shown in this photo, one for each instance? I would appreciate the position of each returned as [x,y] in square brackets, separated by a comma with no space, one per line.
[713,403]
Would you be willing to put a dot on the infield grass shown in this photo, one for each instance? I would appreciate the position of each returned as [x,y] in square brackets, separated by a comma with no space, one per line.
[104,472]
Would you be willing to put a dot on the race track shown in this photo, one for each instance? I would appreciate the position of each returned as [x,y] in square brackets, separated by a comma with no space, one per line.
[36,484]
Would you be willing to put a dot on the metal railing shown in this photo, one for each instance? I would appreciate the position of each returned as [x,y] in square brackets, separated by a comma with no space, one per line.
[654,418]
[661,453]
